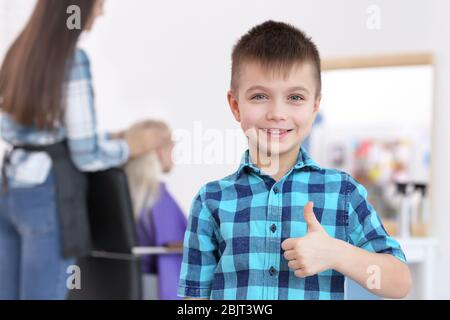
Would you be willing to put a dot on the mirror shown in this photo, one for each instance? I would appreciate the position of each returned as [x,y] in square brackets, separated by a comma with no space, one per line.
[375,124]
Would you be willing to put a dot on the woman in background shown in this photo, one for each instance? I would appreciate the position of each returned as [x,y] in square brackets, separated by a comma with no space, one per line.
[160,221]
[49,120]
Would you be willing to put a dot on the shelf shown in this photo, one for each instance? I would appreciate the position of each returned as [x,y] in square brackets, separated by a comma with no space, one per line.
[417,250]
[139,251]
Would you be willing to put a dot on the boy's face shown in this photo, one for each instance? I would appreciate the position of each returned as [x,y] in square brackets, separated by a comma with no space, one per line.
[275,111]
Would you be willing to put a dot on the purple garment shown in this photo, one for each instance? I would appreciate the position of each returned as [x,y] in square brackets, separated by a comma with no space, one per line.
[157,226]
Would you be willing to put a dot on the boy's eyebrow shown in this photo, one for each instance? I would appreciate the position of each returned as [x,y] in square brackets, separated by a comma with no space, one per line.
[297,88]
[257,88]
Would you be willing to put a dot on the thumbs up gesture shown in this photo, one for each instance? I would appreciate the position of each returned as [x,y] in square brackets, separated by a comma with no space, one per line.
[313,253]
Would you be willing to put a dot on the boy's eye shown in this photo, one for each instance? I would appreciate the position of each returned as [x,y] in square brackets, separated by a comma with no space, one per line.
[296,98]
[258,97]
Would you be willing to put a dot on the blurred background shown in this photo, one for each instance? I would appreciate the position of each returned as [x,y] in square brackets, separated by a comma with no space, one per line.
[385,110]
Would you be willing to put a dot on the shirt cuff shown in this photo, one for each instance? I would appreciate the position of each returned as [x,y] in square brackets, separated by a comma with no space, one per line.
[193,292]
[125,150]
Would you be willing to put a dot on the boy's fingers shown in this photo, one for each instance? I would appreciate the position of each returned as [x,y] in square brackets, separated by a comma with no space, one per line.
[294,265]
[289,255]
[288,244]
[310,218]
[300,273]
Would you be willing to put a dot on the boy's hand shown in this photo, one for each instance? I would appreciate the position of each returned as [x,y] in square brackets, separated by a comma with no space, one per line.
[312,253]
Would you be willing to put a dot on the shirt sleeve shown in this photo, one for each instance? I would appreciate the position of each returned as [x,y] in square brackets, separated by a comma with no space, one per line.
[200,253]
[365,229]
[90,151]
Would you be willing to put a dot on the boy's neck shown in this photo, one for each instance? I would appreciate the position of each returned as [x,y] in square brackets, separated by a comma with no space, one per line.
[276,165]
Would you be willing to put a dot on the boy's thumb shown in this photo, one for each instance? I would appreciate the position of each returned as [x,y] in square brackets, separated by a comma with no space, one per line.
[310,218]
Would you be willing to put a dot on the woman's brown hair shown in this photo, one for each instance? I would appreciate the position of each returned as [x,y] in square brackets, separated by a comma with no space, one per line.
[34,69]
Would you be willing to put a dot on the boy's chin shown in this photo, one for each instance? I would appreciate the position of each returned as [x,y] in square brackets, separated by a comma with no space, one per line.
[278,150]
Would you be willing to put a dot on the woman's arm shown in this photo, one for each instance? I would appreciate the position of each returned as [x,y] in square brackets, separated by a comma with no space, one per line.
[90,150]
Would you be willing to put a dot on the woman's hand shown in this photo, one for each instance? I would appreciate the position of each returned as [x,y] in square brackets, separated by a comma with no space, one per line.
[146,136]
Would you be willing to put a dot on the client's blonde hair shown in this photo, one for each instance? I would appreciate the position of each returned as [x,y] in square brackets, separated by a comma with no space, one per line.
[144,174]
[143,179]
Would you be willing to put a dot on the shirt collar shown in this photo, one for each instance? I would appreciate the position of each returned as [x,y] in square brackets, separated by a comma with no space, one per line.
[303,160]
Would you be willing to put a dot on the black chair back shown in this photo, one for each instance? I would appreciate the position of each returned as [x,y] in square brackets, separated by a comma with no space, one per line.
[112,272]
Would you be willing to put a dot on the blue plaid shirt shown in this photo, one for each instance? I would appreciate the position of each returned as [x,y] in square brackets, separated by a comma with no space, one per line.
[90,151]
[232,246]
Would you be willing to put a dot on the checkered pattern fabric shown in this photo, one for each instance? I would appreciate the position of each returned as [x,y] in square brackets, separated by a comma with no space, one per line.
[232,246]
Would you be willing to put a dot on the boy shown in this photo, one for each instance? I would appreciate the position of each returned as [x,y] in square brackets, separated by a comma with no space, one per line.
[281,227]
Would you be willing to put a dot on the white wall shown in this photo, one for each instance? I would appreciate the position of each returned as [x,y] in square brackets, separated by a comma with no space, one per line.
[170,59]
[441,147]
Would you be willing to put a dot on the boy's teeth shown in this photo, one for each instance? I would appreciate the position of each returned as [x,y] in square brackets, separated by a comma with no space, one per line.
[275,131]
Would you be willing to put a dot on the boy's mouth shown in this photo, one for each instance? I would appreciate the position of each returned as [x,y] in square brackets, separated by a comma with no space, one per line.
[276,133]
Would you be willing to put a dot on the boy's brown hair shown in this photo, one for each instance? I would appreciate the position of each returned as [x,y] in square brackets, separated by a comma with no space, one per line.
[277,46]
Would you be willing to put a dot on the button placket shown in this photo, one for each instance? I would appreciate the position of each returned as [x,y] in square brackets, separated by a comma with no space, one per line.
[273,271]
[274,242]
[273,228]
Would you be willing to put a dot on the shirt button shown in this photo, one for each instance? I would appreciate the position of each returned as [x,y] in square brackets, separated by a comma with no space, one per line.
[275,190]
[273,228]
[272,271]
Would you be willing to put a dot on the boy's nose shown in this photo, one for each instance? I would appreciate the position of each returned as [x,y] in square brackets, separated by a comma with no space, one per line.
[276,113]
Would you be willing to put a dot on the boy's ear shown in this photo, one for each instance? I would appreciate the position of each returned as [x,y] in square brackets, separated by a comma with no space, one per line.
[234,105]
[317,104]
[316,108]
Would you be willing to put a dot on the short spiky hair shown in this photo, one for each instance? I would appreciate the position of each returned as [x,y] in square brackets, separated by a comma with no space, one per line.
[277,46]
